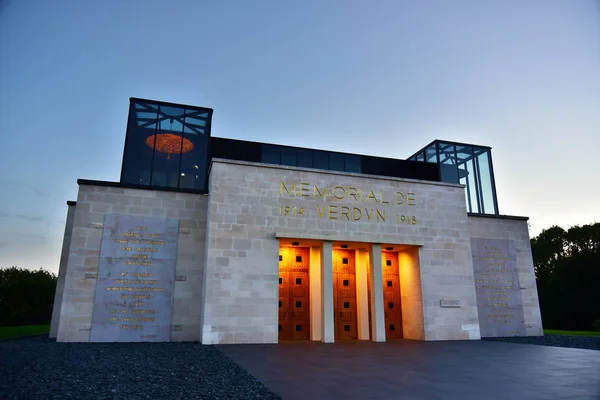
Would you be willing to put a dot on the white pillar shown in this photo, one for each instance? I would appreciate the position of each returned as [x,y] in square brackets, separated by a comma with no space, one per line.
[316,303]
[377,312]
[362,294]
[328,333]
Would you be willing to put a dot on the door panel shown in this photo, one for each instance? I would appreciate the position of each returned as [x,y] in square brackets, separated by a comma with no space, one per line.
[391,295]
[294,294]
[344,289]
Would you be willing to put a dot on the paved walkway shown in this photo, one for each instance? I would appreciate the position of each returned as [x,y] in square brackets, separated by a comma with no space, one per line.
[479,370]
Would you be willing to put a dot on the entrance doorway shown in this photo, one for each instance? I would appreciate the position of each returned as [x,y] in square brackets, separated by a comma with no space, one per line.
[391,295]
[344,295]
[294,293]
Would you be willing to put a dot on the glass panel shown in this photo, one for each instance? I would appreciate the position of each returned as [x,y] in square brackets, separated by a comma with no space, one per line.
[336,162]
[168,145]
[448,167]
[288,156]
[193,159]
[485,178]
[137,157]
[305,158]
[156,151]
[462,173]
[352,163]
[421,156]
[320,159]
[271,154]
[430,154]
[472,186]
[464,152]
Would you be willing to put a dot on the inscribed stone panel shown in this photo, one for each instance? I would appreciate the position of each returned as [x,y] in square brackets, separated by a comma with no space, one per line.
[134,292]
[499,299]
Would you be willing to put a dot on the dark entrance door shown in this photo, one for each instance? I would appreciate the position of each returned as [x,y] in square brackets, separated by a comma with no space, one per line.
[294,292]
[344,295]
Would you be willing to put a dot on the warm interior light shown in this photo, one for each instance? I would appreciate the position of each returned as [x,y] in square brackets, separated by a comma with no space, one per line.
[169,143]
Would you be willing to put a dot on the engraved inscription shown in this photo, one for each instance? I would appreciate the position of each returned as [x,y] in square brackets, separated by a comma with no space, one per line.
[364,204]
[134,292]
[497,286]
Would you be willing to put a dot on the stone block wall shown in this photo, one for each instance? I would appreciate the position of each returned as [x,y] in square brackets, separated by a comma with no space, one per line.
[410,292]
[62,270]
[246,205]
[93,203]
[515,229]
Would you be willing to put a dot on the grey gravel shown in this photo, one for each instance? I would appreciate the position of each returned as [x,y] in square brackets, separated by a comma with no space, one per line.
[40,368]
[577,342]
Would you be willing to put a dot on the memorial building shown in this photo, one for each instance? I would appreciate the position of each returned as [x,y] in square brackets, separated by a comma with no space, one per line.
[219,240]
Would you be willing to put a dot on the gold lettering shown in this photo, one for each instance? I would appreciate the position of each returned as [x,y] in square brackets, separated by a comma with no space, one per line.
[332,210]
[340,197]
[304,190]
[320,211]
[382,200]
[410,196]
[380,215]
[372,196]
[291,191]
[369,215]
[321,194]
[398,196]
[345,211]
[352,192]
[355,215]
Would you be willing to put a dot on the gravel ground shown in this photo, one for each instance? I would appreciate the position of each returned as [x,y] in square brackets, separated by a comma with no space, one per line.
[40,368]
[578,342]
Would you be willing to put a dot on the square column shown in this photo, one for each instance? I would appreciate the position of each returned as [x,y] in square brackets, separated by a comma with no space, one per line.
[316,304]
[328,332]
[362,293]
[377,312]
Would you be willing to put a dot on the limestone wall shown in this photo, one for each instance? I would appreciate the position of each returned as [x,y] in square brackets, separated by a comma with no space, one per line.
[62,270]
[245,206]
[515,229]
[93,203]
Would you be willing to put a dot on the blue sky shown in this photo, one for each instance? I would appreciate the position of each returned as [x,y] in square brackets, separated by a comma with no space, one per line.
[373,77]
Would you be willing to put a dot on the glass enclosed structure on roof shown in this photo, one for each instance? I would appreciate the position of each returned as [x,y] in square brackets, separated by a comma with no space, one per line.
[466,164]
[166,145]
[170,146]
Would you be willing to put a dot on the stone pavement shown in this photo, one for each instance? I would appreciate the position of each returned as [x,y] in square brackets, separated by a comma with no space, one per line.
[406,369]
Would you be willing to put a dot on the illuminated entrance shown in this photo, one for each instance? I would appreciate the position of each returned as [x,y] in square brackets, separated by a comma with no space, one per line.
[294,293]
[336,291]
[391,295]
[344,294]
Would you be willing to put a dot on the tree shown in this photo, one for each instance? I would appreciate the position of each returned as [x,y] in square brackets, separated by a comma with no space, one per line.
[567,270]
[26,296]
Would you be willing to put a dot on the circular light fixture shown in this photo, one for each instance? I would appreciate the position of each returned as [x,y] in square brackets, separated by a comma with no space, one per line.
[295,243]
[169,143]
[389,248]
[344,246]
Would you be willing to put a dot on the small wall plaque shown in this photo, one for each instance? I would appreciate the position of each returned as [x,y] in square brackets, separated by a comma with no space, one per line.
[449,303]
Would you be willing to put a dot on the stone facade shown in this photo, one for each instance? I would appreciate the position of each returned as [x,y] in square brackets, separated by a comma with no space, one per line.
[244,223]
[515,229]
[226,285]
[93,203]
[62,270]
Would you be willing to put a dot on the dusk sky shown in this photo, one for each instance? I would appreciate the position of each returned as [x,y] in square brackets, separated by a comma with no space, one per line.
[372,77]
